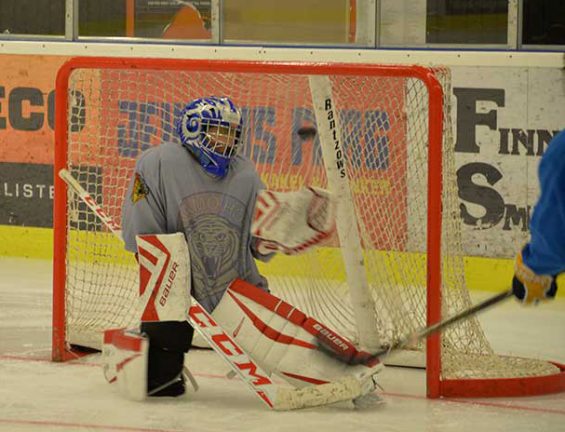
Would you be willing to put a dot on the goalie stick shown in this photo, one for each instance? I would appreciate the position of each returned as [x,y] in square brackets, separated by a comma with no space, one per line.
[273,395]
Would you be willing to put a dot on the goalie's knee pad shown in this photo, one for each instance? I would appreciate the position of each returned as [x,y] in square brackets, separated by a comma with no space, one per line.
[168,342]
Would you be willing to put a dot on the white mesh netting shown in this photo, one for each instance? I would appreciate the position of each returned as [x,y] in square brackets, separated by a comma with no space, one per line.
[115,114]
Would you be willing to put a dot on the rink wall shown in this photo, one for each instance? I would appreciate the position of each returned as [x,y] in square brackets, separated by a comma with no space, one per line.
[506,108]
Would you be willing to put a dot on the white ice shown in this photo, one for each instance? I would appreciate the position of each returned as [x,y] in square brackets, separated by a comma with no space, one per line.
[36,394]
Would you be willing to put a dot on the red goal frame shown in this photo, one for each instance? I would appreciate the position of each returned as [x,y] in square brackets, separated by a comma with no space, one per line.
[436,385]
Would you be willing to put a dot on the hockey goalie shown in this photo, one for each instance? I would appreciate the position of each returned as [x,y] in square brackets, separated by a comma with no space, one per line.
[256,333]
[197,215]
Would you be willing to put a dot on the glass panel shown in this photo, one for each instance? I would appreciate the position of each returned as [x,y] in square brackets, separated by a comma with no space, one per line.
[172,19]
[544,22]
[467,21]
[102,18]
[402,23]
[406,23]
[290,21]
[163,19]
[32,17]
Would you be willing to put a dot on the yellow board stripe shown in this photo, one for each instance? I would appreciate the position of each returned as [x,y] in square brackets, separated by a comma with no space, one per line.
[26,242]
[484,274]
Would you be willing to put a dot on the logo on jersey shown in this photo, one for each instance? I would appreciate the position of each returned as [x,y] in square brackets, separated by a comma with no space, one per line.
[139,190]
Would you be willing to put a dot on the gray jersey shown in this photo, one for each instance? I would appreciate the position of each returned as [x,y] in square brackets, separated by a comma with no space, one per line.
[171,192]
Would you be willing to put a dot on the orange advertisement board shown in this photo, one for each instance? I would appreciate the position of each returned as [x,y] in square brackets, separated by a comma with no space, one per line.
[27,107]
[27,114]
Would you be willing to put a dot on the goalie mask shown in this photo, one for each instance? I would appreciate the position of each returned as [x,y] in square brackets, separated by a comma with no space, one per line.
[210,128]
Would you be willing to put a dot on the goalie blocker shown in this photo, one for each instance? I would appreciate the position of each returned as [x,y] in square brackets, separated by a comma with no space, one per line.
[257,334]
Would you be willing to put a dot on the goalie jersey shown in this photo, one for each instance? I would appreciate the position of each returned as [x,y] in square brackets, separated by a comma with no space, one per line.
[545,253]
[170,192]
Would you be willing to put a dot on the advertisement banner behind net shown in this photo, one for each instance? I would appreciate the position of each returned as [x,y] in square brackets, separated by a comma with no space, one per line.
[130,111]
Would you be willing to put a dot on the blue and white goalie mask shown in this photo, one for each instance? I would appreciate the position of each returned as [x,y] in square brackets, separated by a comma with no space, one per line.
[211,130]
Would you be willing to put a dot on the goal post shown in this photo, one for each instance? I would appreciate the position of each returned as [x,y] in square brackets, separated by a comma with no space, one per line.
[395,265]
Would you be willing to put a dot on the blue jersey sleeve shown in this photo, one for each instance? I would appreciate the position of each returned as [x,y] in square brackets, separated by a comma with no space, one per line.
[545,253]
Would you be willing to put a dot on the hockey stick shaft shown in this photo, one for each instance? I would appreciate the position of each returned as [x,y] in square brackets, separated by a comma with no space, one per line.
[90,202]
[250,372]
[434,328]
[467,313]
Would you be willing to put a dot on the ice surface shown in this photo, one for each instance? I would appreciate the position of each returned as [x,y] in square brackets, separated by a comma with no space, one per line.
[38,395]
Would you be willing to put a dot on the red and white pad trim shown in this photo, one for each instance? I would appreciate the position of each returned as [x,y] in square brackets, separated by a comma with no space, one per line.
[164,277]
[285,341]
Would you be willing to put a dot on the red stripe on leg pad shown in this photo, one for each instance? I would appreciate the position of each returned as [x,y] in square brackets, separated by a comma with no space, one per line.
[150,312]
[284,309]
[305,378]
[268,331]
[340,345]
[121,340]
[268,301]
[298,318]
[148,256]
[250,291]
[144,276]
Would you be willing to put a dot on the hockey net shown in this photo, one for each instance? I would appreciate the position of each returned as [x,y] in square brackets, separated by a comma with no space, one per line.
[399,159]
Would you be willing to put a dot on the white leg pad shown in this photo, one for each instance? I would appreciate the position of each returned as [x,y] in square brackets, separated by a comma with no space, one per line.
[164,277]
[284,341]
[124,356]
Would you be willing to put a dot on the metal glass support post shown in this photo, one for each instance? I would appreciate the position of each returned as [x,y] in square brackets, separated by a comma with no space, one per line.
[71,20]
[217,21]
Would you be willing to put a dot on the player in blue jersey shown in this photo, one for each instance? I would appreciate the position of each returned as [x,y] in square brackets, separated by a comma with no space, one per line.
[543,258]
[206,189]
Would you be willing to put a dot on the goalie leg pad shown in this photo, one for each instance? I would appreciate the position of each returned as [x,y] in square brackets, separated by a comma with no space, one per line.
[164,277]
[168,343]
[284,341]
[124,361]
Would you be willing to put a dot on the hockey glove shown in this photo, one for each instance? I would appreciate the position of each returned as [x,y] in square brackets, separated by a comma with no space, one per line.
[530,287]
